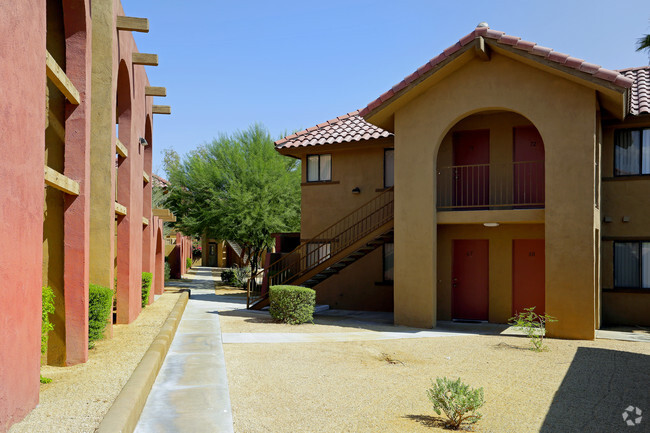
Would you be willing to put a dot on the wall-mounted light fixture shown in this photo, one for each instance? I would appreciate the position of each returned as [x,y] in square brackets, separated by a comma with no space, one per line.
[143,142]
[491,224]
[356,190]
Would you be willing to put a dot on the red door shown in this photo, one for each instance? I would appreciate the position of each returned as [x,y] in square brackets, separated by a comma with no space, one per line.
[528,275]
[528,182]
[470,279]
[472,171]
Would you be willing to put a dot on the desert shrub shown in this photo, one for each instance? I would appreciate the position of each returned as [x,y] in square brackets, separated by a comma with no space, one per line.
[292,304]
[533,325]
[236,277]
[168,271]
[100,301]
[457,400]
[48,308]
[147,277]
[188,262]
[45,379]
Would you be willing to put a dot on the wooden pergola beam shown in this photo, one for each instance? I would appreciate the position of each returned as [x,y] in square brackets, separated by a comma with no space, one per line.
[162,109]
[145,176]
[164,214]
[145,221]
[121,149]
[56,74]
[145,59]
[120,209]
[61,182]
[132,24]
[155,91]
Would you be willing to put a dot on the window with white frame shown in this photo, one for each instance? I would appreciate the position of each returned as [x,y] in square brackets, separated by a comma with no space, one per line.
[319,168]
[632,152]
[317,253]
[389,168]
[632,265]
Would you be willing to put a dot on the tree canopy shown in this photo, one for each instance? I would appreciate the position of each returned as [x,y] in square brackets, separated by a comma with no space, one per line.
[236,188]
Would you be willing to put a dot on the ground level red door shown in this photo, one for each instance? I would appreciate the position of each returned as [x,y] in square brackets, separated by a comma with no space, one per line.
[528,275]
[470,279]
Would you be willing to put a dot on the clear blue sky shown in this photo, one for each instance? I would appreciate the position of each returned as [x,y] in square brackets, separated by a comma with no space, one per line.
[293,64]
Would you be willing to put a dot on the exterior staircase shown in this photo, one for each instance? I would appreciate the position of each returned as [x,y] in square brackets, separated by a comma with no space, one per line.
[352,237]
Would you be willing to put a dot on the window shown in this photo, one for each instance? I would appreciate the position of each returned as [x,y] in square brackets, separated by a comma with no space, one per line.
[388,261]
[389,168]
[632,265]
[632,152]
[317,253]
[319,168]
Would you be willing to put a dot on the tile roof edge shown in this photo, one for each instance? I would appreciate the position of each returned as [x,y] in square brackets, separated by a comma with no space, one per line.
[613,76]
[634,68]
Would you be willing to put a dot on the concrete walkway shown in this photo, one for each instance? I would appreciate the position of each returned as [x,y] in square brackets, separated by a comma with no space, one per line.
[191,391]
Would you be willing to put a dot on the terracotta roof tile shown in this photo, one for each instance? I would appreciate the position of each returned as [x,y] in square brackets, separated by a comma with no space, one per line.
[344,129]
[500,37]
[640,92]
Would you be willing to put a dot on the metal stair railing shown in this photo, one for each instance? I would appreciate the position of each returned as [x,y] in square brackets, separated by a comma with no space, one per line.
[325,245]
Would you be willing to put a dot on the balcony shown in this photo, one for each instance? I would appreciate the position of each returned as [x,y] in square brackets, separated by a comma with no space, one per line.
[501,186]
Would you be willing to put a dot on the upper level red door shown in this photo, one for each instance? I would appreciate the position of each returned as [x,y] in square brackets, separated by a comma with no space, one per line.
[470,273]
[528,280]
[472,169]
[528,182]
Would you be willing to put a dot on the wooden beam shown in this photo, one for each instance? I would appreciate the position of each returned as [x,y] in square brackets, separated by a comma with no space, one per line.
[481,49]
[120,209]
[164,214]
[120,148]
[132,24]
[162,109]
[60,79]
[61,182]
[145,176]
[145,59]
[155,91]
[145,221]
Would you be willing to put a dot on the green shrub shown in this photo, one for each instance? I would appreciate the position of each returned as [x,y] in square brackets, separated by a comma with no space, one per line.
[100,301]
[188,262]
[45,379]
[533,325]
[292,304]
[147,277]
[457,400]
[47,298]
[236,277]
[168,271]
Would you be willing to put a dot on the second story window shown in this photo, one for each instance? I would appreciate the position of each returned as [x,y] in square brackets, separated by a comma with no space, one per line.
[319,168]
[389,168]
[632,152]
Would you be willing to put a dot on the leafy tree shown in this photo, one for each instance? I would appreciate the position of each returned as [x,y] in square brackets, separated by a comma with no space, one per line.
[236,188]
[643,44]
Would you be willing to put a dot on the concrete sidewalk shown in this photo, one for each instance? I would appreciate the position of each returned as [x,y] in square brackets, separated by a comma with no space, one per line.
[191,391]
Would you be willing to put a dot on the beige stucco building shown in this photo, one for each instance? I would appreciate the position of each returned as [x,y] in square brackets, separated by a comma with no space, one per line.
[520,179]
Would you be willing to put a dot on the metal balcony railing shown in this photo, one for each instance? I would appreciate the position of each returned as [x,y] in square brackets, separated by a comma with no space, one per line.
[515,185]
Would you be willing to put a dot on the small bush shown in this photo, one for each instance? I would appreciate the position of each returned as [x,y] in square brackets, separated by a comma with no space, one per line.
[45,379]
[147,277]
[457,400]
[188,262]
[48,308]
[533,325]
[236,277]
[168,271]
[100,301]
[292,304]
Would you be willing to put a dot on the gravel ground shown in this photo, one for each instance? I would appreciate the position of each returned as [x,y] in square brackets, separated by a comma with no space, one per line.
[79,396]
[379,386]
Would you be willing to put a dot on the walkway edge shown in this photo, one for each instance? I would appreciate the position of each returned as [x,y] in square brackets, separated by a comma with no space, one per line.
[125,411]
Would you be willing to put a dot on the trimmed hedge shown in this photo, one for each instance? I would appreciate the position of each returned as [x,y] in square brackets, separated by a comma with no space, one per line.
[48,308]
[168,271]
[188,262]
[147,277]
[292,304]
[100,301]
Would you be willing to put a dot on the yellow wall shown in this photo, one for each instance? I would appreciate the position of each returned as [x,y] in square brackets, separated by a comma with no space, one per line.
[500,263]
[564,112]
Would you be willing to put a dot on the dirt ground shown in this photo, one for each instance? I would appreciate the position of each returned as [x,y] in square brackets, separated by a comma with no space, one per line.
[79,396]
[380,386]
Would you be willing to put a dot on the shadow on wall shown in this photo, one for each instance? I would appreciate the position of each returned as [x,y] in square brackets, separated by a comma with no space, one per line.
[598,388]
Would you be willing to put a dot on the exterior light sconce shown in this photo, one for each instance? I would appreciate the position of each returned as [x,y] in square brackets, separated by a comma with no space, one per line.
[356,190]
[607,219]
[626,219]
[491,224]
[143,142]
